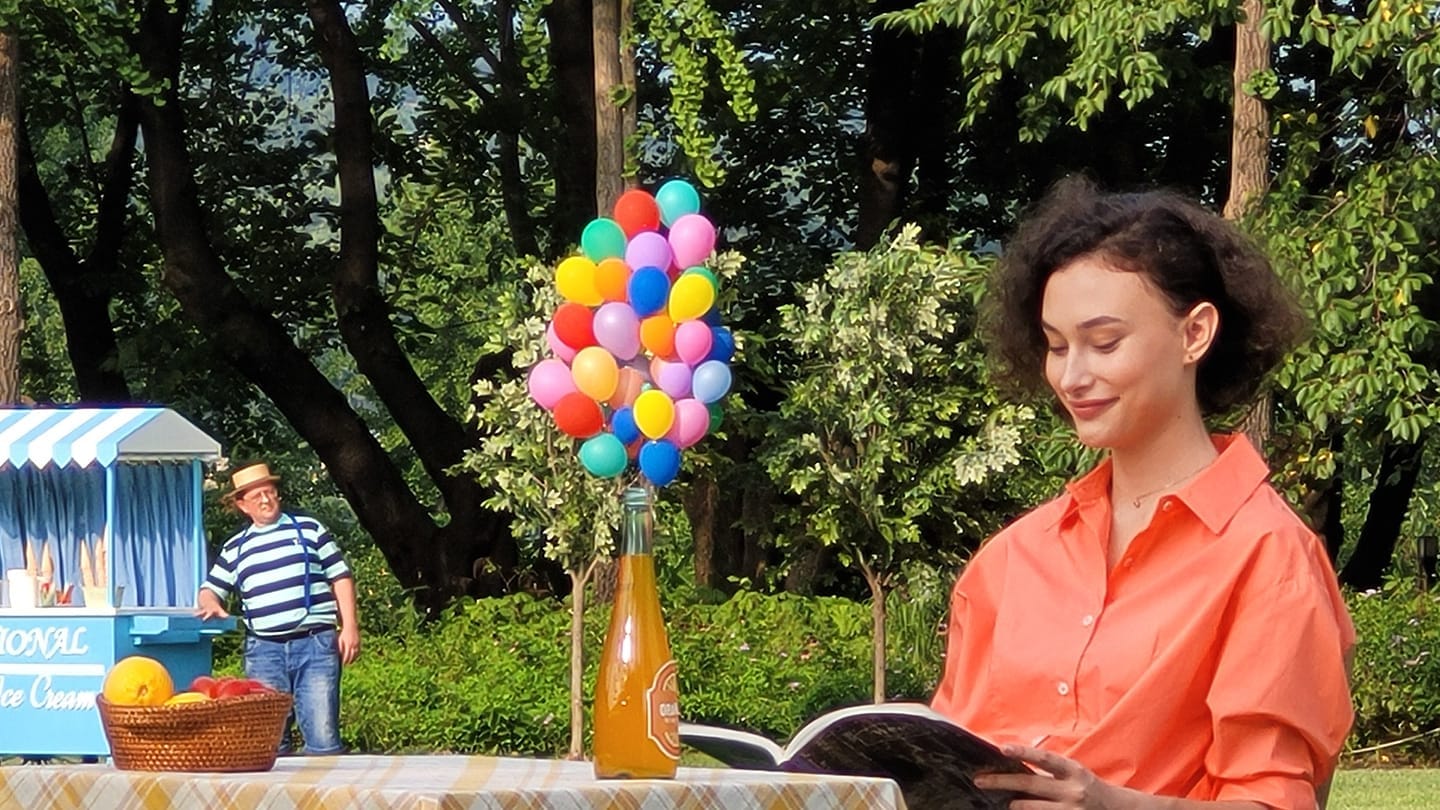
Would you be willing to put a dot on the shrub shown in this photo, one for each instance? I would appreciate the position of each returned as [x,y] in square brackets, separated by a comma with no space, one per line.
[1396,683]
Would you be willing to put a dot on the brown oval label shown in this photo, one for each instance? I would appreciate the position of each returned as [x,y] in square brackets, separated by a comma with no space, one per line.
[662,709]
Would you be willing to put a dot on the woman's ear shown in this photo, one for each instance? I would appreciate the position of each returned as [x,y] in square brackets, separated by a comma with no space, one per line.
[1201,325]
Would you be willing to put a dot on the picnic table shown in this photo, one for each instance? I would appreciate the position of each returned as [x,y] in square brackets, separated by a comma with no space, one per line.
[423,782]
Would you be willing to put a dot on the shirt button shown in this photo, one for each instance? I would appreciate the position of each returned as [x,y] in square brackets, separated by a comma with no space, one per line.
[1087,621]
[1128,562]
[1063,688]
[1167,505]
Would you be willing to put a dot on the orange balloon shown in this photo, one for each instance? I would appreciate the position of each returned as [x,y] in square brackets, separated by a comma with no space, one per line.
[611,277]
[657,334]
[627,388]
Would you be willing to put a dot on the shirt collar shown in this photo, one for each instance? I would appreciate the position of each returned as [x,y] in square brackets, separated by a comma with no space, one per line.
[1215,495]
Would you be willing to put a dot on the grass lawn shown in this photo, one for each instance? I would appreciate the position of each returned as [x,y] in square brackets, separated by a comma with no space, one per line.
[1376,789]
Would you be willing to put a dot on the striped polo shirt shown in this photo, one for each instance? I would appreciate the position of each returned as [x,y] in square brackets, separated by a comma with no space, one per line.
[272,568]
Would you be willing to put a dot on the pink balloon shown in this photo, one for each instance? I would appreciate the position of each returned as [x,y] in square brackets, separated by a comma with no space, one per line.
[558,346]
[648,249]
[692,239]
[617,329]
[692,422]
[692,342]
[672,378]
[550,380]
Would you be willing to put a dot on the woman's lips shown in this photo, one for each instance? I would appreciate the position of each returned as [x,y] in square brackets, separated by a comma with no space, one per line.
[1088,408]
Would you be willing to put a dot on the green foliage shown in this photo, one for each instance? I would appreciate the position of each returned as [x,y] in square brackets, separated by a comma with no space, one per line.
[1396,682]
[888,423]
[1074,55]
[535,469]
[690,39]
[491,676]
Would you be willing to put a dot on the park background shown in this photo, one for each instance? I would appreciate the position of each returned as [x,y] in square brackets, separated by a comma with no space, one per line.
[326,232]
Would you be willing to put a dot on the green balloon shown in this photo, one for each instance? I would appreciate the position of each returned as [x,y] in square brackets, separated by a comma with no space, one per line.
[717,415]
[603,455]
[602,239]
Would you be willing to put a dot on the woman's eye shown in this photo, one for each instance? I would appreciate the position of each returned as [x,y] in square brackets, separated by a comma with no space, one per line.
[1107,347]
[1058,350]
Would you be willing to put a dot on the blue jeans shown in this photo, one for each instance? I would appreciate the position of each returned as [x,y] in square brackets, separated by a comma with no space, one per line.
[309,669]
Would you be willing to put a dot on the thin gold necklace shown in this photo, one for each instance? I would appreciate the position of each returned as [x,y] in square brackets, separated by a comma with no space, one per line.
[1138,499]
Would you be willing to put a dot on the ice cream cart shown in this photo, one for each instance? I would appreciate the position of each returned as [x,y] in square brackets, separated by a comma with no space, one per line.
[102,544]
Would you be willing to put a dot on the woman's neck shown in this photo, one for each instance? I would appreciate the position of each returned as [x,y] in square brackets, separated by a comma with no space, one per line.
[1167,460]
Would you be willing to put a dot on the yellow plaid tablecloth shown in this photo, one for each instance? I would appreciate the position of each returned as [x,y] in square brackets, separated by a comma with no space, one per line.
[431,783]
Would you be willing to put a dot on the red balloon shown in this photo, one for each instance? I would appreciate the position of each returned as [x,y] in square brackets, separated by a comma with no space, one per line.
[579,416]
[574,325]
[637,212]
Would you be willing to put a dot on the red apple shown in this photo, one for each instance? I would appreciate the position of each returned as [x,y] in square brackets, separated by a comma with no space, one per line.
[232,688]
[204,684]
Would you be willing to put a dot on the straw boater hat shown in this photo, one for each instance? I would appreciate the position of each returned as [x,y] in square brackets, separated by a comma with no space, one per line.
[248,477]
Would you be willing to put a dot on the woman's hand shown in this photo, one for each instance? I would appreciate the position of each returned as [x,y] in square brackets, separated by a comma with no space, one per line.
[1065,784]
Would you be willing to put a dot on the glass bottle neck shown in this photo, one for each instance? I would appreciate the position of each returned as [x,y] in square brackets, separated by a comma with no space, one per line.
[636,522]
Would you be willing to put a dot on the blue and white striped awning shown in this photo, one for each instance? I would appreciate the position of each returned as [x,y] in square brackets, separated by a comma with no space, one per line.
[85,436]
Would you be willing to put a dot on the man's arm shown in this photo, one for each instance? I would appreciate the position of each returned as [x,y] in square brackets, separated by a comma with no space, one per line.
[349,641]
[209,606]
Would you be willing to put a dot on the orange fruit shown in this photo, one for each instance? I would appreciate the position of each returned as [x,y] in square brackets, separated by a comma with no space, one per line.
[187,697]
[138,681]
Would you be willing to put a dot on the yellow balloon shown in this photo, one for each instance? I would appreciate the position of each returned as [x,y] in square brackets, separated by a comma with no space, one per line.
[595,373]
[575,279]
[654,413]
[691,297]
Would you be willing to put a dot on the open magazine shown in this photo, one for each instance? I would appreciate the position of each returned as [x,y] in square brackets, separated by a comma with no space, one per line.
[932,759]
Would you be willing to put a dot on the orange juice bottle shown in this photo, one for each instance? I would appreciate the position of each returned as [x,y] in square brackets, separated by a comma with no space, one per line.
[637,716]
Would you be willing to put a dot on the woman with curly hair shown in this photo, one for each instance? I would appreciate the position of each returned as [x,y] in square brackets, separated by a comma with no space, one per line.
[1166,633]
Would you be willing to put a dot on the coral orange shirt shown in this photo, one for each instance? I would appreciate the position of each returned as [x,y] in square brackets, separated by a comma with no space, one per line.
[1208,664]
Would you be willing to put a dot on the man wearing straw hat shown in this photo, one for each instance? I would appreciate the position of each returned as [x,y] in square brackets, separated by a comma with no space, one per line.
[294,588]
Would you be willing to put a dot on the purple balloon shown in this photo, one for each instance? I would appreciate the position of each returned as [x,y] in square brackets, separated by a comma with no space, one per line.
[692,239]
[648,249]
[692,342]
[673,379]
[550,380]
[561,349]
[617,329]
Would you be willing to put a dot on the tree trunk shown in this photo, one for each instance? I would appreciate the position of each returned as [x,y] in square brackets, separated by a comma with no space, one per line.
[889,143]
[436,564]
[1250,159]
[439,440]
[609,117]
[572,151]
[578,581]
[9,233]
[1400,465]
[877,620]
[84,288]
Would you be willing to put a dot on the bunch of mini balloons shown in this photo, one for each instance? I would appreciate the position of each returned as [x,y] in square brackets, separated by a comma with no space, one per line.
[641,359]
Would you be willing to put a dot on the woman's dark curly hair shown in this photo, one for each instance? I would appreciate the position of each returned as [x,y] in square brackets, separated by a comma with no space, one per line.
[1189,254]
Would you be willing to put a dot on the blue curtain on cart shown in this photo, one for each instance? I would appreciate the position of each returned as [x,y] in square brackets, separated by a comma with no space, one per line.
[54,507]
[155,516]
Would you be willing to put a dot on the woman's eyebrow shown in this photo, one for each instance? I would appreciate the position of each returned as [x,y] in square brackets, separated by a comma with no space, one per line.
[1092,323]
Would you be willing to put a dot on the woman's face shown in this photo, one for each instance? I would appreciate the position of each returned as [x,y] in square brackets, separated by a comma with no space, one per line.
[1120,360]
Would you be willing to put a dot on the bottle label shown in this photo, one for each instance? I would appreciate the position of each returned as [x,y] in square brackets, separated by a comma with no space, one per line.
[662,709]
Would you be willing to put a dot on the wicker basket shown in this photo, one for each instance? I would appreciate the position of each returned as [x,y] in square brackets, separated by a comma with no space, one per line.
[231,734]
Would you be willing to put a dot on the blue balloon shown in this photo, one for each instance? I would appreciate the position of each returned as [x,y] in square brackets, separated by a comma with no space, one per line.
[722,344]
[676,198]
[712,318]
[659,461]
[710,381]
[603,455]
[622,424]
[649,289]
